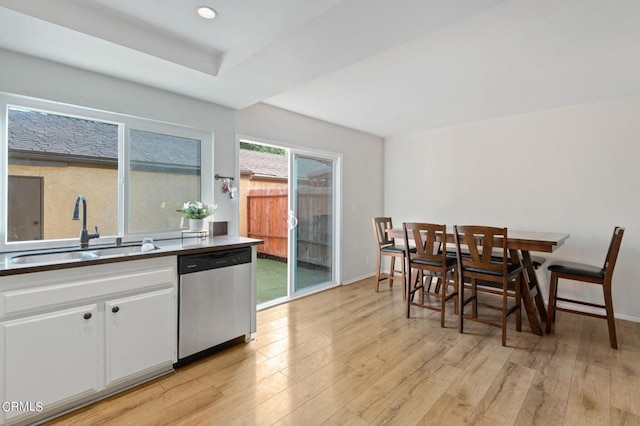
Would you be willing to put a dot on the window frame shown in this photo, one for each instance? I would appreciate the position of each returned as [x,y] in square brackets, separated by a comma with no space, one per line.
[125,123]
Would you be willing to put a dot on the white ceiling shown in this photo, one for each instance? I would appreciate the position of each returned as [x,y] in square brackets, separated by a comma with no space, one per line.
[386,68]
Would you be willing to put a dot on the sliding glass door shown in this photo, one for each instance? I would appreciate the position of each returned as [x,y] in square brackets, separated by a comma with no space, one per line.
[289,198]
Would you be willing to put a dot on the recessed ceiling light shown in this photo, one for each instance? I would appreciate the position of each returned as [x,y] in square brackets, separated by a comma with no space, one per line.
[206,12]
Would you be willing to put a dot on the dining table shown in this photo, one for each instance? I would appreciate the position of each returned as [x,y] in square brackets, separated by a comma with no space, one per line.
[520,245]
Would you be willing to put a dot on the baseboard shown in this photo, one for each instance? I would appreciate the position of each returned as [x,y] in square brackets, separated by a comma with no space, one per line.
[596,311]
[354,280]
[627,318]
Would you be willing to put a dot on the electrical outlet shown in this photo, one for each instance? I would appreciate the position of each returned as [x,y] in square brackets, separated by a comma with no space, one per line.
[366,260]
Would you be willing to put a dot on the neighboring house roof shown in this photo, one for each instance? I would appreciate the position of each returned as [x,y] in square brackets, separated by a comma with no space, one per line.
[52,135]
[59,135]
[157,148]
[264,163]
[36,132]
[315,169]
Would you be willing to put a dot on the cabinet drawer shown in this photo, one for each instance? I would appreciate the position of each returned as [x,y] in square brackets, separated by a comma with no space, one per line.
[33,299]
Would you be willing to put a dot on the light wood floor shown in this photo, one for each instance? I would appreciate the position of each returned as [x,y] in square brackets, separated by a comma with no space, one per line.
[349,356]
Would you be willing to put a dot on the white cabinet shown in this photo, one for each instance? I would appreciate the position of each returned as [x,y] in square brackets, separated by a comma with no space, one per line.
[140,335]
[74,335]
[51,357]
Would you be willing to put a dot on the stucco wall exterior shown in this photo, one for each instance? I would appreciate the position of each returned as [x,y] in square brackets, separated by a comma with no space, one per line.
[153,206]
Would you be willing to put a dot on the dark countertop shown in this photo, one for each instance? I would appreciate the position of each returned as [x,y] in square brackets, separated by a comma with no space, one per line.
[164,248]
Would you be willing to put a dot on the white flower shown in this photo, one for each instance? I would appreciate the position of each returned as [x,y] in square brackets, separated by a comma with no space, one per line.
[197,209]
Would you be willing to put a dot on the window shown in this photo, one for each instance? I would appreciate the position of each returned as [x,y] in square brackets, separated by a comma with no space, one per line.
[134,173]
[164,172]
[71,156]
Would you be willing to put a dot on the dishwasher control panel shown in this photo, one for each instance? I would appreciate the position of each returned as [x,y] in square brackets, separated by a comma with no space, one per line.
[213,260]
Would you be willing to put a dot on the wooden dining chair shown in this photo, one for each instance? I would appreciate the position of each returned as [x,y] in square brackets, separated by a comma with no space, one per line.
[480,270]
[429,260]
[587,274]
[387,247]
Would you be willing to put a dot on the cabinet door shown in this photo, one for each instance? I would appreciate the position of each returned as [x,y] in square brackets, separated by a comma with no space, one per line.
[141,333]
[50,357]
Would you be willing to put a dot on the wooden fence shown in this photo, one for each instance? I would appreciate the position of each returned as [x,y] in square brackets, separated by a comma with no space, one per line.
[267,214]
[267,219]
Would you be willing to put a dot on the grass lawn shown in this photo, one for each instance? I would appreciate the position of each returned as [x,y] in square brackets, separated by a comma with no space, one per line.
[272,279]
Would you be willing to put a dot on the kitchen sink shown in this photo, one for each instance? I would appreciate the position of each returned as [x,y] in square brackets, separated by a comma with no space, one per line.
[24,259]
[76,255]
[119,251]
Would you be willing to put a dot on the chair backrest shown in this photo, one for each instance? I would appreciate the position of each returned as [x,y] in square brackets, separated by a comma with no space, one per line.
[612,254]
[429,238]
[380,224]
[480,242]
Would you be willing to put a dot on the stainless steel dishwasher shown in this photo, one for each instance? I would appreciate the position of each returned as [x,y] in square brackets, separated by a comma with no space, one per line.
[214,301]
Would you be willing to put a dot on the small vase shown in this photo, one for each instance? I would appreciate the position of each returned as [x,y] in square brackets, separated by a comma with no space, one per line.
[196,224]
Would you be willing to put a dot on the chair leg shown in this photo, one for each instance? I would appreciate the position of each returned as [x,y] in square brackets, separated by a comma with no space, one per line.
[421,286]
[460,306]
[551,308]
[404,278]
[504,314]
[409,294]
[438,285]
[474,295]
[378,272]
[443,294]
[518,284]
[413,284]
[608,303]
[392,271]
[455,289]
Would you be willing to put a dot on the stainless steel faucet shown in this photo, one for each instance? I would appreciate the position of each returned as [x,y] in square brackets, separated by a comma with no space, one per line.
[85,236]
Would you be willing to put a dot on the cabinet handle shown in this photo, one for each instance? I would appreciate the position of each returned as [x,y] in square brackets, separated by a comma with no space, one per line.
[87,315]
[115,309]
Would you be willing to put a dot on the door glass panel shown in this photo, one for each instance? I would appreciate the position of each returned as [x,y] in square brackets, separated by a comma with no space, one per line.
[264,201]
[312,230]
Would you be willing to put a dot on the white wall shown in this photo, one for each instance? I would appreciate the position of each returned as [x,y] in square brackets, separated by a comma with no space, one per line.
[573,170]
[362,178]
[29,76]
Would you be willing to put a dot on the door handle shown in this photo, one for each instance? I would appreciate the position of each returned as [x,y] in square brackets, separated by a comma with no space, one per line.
[293,220]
